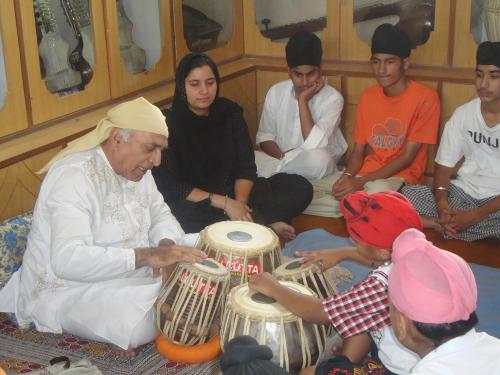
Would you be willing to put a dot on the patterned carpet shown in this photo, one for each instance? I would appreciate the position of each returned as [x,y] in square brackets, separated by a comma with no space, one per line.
[24,351]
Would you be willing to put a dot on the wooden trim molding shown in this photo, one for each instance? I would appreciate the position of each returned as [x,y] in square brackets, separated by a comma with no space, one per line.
[13,115]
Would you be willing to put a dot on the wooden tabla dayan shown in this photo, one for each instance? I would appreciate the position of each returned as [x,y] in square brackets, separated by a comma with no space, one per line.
[310,276]
[189,306]
[295,344]
[245,248]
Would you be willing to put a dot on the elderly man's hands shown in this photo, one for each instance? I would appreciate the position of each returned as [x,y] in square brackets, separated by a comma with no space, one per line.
[165,255]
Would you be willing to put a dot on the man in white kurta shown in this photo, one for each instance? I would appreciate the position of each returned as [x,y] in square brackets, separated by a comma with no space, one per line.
[100,226]
[299,126]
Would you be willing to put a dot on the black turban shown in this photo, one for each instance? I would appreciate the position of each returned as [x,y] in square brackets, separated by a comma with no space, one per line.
[244,356]
[388,39]
[303,48]
[488,53]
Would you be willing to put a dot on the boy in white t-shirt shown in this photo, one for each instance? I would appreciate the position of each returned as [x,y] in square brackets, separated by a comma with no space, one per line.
[468,207]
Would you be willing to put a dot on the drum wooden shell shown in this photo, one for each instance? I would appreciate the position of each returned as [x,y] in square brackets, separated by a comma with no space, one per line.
[245,248]
[189,306]
[310,276]
[295,343]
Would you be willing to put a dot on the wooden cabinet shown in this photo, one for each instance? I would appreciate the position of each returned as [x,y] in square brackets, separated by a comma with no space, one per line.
[45,105]
[232,49]
[13,109]
[464,52]
[434,51]
[327,23]
[156,19]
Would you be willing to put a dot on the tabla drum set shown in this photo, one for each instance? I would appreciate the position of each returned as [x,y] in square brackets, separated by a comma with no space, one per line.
[203,300]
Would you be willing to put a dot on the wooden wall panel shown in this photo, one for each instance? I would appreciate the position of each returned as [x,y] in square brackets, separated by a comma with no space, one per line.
[13,116]
[453,95]
[464,51]
[354,87]
[19,184]
[234,47]
[265,79]
[242,90]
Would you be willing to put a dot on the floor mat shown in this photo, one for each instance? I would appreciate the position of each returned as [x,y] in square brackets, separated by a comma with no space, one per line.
[24,351]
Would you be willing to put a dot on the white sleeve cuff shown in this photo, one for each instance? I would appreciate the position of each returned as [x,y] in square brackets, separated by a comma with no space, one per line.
[263,137]
[315,139]
[130,259]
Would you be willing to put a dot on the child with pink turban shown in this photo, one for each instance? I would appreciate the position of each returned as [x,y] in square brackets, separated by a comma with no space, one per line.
[360,314]
[433,297]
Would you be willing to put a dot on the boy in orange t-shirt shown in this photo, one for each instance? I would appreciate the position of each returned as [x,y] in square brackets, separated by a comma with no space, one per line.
[397,119]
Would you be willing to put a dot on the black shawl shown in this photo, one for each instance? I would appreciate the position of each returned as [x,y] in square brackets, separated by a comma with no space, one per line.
[207,152]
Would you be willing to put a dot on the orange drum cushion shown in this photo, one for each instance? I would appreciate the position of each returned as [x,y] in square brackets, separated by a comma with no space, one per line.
[189,353]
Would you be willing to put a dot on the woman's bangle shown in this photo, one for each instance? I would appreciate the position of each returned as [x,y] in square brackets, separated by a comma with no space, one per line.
[441,188]
[225,204]
[347,174]
[210,197]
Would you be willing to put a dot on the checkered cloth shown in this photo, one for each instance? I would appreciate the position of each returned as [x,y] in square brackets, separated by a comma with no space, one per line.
[361,309]
[422,198]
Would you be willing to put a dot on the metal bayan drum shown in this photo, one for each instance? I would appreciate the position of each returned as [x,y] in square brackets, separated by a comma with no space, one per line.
[295,343]
[191,300]
[310,276]
[245,248]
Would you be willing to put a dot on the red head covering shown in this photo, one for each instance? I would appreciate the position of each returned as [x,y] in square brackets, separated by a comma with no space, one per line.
[377,219]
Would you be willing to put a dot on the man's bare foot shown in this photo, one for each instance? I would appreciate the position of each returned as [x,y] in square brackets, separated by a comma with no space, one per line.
[284,230]
[123,353]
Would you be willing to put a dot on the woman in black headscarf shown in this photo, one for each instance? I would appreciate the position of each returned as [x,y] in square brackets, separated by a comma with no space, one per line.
[208,172]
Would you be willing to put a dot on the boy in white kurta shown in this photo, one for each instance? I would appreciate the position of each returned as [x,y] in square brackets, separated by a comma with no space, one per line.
[299,127]
[100,228]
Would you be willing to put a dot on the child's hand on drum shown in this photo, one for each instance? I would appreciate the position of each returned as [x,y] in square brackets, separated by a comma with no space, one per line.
[264,283]
[325,258]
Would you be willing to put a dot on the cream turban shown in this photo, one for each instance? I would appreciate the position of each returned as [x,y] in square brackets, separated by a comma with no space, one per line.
[137,114]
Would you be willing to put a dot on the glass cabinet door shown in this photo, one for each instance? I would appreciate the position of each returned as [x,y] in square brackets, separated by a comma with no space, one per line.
[427,23]
[140,32]
[278,20]
[65,53]
[13,115]
[414,17]
[65,44]
[140,44]
[214,27]
[485,20]
[207,24]
[3,74]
